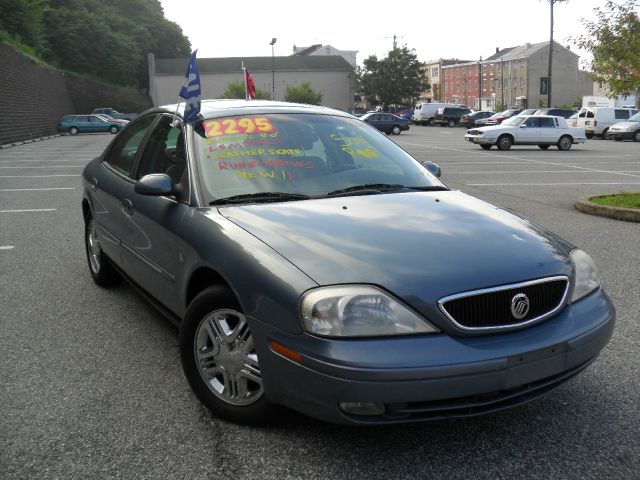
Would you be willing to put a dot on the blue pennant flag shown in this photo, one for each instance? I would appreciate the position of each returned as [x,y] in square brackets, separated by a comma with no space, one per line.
[190,91]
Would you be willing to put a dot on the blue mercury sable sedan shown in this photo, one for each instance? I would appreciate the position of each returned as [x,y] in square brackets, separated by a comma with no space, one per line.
[309,262]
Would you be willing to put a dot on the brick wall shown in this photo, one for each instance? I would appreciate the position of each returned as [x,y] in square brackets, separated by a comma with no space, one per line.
[34,96]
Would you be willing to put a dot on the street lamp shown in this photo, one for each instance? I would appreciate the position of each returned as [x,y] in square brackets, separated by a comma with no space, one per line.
[273,70]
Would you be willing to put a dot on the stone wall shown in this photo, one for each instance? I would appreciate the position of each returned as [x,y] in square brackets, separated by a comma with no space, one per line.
[34,96]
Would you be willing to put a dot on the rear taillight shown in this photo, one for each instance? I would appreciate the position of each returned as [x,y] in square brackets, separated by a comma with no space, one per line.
[595,123]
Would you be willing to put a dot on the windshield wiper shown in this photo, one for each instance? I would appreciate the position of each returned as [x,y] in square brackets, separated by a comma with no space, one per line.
[382,187]
[260,197]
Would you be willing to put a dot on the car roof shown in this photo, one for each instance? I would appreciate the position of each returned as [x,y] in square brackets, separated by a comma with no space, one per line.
[225,108]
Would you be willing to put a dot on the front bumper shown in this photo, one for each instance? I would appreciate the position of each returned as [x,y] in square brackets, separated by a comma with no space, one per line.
[480,139]
[437,376]
[622,135]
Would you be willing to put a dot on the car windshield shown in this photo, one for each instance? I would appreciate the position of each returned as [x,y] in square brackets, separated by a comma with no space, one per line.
[514,121]
[499,114]
[300,154]
[635,118]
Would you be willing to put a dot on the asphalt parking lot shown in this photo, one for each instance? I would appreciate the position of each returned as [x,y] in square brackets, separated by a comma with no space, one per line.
[91,382]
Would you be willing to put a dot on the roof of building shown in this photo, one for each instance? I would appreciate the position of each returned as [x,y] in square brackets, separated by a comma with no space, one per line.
[499,54]
[524,51]
[302,51]
[174,66]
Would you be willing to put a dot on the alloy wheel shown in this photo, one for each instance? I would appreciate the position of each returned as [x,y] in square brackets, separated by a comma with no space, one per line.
[226,358]
[95,253]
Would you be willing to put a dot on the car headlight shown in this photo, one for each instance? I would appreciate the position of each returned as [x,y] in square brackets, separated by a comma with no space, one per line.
[358,311]
[586,276]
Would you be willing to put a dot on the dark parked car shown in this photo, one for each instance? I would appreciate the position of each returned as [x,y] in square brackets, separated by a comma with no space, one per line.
[469,120]
[498,118]
[558,112]
[74,124]
[386,122]
[312,263]
[450,116]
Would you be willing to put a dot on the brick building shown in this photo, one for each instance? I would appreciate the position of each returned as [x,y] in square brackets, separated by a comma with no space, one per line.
[516,76]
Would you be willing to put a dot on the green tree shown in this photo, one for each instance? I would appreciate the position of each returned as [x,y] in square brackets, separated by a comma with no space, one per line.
[613,39]
[397,79]
[110,40]
[303,94]
[21,20]
[236,90]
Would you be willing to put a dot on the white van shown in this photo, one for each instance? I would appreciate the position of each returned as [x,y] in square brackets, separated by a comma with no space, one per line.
[424,113]
[597,120]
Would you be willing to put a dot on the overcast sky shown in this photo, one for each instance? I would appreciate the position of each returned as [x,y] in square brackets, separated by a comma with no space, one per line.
[465,29]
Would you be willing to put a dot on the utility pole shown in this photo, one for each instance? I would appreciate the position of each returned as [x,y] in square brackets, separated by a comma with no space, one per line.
[551,3]
[395,43]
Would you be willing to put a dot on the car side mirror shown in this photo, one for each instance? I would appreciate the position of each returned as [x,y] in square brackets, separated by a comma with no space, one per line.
[523,126]
[155,184]
[434,168]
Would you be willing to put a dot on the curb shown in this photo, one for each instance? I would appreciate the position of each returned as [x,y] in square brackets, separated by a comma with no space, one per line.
[24,142]
[585,205]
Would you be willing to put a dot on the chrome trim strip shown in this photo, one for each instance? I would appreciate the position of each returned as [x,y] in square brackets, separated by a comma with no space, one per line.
[531,321]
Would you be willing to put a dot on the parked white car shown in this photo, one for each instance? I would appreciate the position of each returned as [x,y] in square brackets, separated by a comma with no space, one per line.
[540,130]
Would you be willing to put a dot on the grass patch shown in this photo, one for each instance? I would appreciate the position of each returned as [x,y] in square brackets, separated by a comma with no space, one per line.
[625,200]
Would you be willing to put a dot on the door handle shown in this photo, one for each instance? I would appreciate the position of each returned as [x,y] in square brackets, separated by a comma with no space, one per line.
[127,206]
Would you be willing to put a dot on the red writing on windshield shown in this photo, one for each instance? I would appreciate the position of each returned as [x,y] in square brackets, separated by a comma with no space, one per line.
[263,163]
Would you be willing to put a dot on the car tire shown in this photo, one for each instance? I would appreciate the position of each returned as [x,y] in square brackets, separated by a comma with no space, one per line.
[564,143]
[113,129]
[636,136]
[605,134]
[486,147]
[451,123]
[543,147]
[102,272]
[617,139]
[73,131]
[504,143]
[396,130]
[219,358]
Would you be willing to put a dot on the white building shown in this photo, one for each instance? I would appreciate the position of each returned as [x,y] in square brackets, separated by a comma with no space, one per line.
[332,75]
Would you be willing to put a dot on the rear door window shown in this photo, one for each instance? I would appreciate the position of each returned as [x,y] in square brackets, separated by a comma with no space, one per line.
[546,122]
[622,114]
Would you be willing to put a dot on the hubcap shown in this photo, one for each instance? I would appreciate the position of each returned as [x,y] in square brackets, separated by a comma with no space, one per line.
[93,248]
[226,357]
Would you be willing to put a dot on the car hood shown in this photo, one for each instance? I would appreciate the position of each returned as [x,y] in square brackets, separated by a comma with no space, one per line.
[421,246]
[489,128]
[625,125]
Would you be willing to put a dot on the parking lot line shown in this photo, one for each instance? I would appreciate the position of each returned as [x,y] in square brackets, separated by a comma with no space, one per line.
[547,184]
[491,172]
[30,210]
[540,162]
[40,160]
[47,166]
[6,247]
[35,189]
[39,176]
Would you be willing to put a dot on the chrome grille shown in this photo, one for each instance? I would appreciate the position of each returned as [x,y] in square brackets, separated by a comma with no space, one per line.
[491,309]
